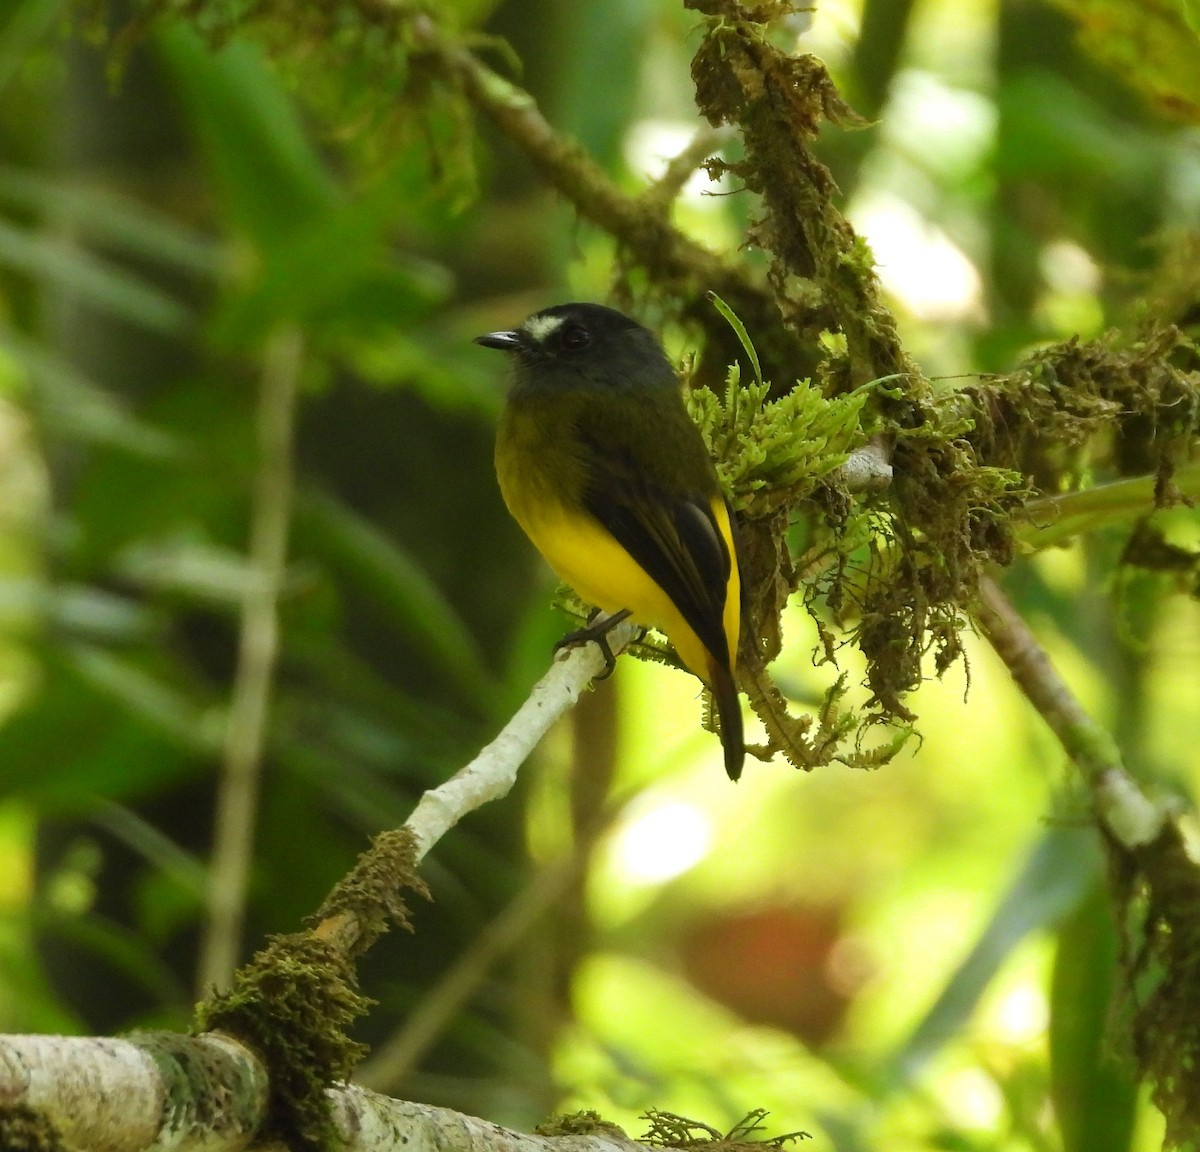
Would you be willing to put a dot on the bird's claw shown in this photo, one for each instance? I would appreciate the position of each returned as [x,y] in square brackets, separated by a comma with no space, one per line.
[596,631]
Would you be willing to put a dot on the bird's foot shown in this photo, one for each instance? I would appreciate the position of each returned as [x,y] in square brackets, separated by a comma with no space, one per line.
[596,631]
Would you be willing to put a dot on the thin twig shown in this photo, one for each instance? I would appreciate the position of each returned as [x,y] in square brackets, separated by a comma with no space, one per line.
[683,165]
[494,771]
[258,645]
[1123,809]
[681,267]
[1052,519]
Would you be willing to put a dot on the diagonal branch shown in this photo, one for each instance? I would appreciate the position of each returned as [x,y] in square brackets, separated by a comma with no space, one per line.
[682,269]
[1155,881]
[489,776]
[1124,811]
[214,1092]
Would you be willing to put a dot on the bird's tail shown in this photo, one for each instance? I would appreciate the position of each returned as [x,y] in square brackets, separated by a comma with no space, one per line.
[729,712]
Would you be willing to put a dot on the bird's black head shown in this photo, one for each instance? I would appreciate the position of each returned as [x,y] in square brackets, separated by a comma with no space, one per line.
[584,346]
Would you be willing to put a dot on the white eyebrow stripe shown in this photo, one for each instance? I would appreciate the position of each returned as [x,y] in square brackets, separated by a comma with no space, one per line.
[539,328]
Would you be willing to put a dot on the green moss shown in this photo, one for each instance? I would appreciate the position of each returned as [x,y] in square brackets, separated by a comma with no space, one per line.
[293,1004]
[669,1130]
[774,454]
[584,1123]
[369,898]
[25,1129]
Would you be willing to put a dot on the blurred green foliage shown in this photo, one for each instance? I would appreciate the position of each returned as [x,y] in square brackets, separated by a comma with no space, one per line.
[910,959]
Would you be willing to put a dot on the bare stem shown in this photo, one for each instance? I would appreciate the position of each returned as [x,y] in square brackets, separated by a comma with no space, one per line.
[258,645]
[682,166]
[1052,519]
[494,771]
[1123,809]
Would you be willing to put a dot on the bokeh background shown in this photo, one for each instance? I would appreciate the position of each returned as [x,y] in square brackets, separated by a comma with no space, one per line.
[920,957]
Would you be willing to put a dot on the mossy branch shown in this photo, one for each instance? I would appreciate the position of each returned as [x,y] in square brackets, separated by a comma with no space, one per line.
[295,1001]
[679,268]
[1156,881]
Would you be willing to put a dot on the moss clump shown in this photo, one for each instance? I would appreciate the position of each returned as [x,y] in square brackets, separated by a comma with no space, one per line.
[24,1129]
[668,1130]
[296,1000]
[947,516]
[293,1004]
[584,1123]
[369,900]
[1079,407]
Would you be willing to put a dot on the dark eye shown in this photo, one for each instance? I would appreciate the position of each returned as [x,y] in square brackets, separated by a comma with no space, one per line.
[574,337]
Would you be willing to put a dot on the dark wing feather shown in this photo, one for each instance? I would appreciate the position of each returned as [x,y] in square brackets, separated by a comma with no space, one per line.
[674,537]
[670,530]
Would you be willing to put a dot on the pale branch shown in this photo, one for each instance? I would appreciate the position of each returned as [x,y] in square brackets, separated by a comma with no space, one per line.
[141,1094]
[489,776]
[1123,810]
[867,469]
[494,771]
[683,166]
[160,1092]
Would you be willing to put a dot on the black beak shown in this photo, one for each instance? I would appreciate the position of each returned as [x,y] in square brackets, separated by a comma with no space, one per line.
[505,341]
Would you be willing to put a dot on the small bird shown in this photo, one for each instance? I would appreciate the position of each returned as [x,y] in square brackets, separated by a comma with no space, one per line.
[603,469]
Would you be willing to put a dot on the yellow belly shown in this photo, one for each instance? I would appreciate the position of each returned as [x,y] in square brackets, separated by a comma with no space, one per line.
[588,558]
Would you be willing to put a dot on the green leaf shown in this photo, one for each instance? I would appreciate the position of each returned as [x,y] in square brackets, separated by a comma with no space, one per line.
[1150,44]
[113,946]
[317,251]
[76,610]
[96,281]
[1094,1091]
[197,569]
[76,408]
[174,863]
[68,744]
[147,697]
[609,40]
[271,177]
[99,214]
[734,322]
[399,586]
